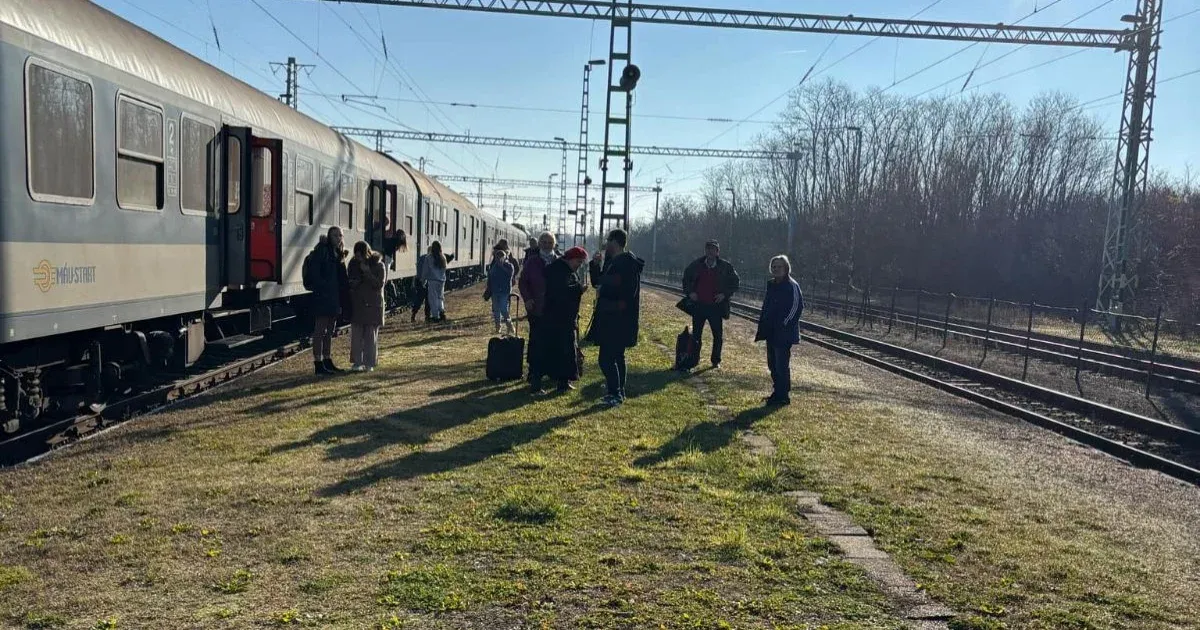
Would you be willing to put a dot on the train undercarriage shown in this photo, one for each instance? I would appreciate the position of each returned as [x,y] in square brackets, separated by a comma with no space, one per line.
[75,373]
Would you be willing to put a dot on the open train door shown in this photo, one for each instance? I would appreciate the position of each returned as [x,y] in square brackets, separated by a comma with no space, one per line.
[391,201]
[376,198]
[251,177]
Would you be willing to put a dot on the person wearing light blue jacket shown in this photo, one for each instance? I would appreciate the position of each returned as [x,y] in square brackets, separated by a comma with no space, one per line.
[500,284]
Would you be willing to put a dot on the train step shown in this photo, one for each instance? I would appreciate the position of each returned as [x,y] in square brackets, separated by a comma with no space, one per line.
[235,341]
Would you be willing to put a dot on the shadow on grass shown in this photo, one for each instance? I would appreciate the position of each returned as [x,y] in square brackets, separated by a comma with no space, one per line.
[707,436]
[460,455]
[288,393]
[361,437]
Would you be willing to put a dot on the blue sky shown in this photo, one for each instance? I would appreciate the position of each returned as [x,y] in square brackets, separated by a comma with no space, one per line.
[445,56]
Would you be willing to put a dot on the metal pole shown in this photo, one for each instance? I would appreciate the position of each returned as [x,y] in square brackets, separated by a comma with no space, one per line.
[1028,335]
[793,205]
[846,302]
[892,316]
[654,229]
[1153,350]
[732,218]
[987,335]
[946,323]
[1083,315]
[917,320]
[854,202]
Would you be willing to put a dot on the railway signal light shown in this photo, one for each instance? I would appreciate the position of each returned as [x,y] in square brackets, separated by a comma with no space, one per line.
[629,77]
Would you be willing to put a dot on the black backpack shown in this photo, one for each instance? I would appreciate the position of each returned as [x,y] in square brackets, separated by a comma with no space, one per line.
[308,272]
[687,351]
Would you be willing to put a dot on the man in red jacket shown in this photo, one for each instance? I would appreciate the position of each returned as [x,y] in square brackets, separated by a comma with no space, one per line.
[533,290]
[710,282]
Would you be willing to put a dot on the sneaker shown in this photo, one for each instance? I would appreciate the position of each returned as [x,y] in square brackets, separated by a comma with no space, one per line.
[320,368]
[497,330]
[509,330]
[565,387]
[370,369]
[357,368]
[611,401]
[716,365]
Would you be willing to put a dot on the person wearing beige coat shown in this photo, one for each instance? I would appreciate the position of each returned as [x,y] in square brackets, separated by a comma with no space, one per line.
[367,276]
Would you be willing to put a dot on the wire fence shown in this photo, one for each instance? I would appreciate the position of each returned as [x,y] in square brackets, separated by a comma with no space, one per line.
[1159,351]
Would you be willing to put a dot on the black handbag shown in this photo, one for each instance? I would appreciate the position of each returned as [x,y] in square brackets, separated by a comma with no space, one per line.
[687,306]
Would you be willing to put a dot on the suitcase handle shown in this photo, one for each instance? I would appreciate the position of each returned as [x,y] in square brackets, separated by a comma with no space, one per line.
[517,297]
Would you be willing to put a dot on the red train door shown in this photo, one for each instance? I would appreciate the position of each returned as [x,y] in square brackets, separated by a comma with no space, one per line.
[252,178]
[266,211]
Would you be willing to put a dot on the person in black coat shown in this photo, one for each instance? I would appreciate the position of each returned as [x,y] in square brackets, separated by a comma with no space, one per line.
[779,326]
[615,321]
[561,319]
[325,275]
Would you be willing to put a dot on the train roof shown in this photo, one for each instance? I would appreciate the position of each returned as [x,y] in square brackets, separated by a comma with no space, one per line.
[96,33]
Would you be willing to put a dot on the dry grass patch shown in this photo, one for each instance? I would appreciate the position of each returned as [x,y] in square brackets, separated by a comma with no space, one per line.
[420,495]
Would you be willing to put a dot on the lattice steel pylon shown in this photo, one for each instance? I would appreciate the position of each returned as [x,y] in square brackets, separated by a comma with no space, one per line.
[582,181]
[621,29]
[1119,276]
[562,198]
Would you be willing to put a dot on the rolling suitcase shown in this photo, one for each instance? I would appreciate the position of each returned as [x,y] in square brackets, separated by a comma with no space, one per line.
[506,355]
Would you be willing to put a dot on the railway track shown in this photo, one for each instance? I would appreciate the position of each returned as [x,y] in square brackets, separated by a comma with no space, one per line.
[1165,371]
[217,367]
[1137,439]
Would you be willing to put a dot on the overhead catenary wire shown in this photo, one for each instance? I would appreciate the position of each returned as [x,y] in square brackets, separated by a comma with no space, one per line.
[811,73]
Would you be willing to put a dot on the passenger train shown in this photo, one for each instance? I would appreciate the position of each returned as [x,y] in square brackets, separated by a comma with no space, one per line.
[153,207]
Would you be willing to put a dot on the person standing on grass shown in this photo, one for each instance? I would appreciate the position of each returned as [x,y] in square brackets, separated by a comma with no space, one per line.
[533,290]
[779,326]
[710,282]
[615,321]
[420,291]
[434,275]
[367,275]
[500,284]
[561,318]
[324,273]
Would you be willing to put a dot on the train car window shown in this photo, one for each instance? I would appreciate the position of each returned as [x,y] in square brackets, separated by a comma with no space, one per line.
[197,162]
[262,174]
[327,198]
[305,172]
[59,136]
[346,202]
[233,200]
[408,224]
[140,153]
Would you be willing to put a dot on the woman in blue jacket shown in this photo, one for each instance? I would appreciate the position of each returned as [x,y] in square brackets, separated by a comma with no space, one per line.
[779,326]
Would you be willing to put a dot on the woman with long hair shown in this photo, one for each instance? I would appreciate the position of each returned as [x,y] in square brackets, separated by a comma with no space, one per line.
[434,275]
[367,278]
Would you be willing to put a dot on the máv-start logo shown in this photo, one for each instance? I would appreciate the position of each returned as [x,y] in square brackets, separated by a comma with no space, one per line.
[46,276]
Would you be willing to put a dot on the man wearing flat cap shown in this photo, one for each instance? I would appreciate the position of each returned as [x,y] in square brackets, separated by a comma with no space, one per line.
[710,282]
[560,319]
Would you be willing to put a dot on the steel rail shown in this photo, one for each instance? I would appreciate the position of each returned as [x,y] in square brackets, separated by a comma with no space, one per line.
[1074,417]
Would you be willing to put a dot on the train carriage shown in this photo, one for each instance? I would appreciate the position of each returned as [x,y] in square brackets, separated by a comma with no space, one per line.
[152,206]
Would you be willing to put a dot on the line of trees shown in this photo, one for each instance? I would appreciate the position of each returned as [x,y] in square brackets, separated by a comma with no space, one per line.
[971,195]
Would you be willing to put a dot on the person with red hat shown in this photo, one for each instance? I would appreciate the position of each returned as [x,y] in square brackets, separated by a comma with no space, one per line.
[560,319]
